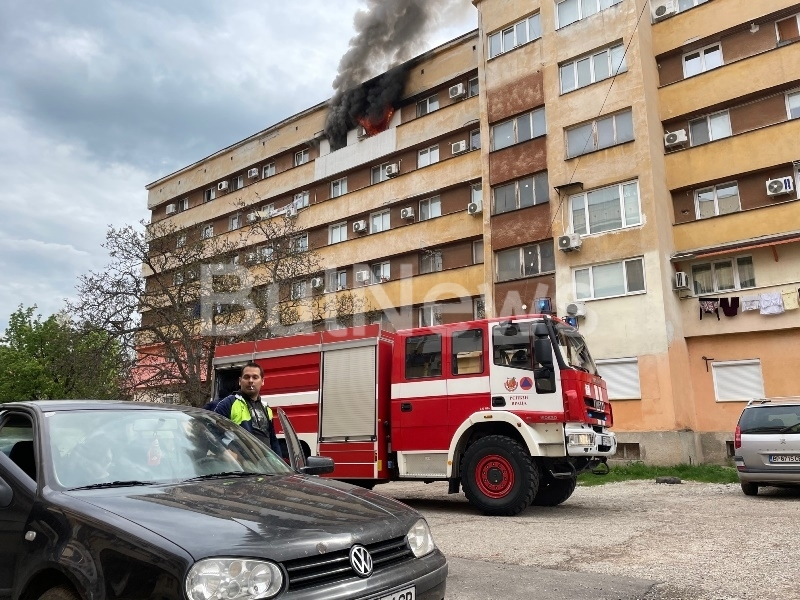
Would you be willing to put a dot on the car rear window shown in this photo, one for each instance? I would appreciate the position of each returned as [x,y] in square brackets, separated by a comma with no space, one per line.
[768,418]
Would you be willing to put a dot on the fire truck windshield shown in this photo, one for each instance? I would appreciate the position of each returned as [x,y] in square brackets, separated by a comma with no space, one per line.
[574,350]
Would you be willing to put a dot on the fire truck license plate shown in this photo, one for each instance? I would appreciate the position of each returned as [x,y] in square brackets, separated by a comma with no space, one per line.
[784,458]
[406,594]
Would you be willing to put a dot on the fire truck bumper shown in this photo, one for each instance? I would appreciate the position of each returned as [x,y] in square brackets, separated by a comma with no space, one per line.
[584,441]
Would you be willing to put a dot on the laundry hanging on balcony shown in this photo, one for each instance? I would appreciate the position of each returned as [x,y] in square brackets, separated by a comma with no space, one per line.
[771,303]
[729,306]
[790,301]
[709,306]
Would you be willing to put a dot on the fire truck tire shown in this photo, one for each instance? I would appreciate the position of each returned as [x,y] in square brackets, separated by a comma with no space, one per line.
[553,492]
[498,476]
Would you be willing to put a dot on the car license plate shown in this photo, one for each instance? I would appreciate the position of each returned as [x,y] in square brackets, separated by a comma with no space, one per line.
[784,458]
[406,594]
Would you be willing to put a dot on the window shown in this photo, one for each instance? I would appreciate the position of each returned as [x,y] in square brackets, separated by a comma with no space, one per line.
[183,204]
[381,272]
[687,4]
[521,193]
[473,87]
[716,200]
[428,156]
[430,315]
[702,60]
[517,34]
[737,380]
[269,170]
[337,233]
[430,208]
[710,128]
[793,105]
[300,243]
[235,221]
[475,139]
[569,11]
[477,252]
[467,349]
[622,378]
[613,207]
[423,356]
[428,105]
[476,192]
[209,194]
[479,308]
[526,261]
[610,280]
[207,232]
[512,346]
[723,275]
[268,209]
[379,173]
[265,253]
[788,29]
[298,290]
[300,200]
[605,132]
[590,69]
[337,281]
[181,241]
[338,187]
[237,183]
[177,278]
[379,221]
[430,261]
[521,129]
[301,158]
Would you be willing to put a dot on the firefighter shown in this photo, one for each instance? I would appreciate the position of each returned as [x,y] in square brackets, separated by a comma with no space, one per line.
[244,407]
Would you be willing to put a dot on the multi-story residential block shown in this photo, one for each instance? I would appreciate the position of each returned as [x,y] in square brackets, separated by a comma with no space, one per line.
[630,163]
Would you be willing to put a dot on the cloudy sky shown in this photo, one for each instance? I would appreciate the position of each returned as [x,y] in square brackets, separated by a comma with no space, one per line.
[100,97]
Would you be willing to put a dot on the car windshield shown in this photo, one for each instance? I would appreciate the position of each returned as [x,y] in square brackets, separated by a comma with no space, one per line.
[123,446]
[574,350]
[770,418]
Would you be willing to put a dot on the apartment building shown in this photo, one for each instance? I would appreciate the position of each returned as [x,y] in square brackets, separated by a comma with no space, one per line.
[625,162]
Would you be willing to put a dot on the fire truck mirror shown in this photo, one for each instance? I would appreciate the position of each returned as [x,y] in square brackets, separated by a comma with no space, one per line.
[541,331]
[543,352]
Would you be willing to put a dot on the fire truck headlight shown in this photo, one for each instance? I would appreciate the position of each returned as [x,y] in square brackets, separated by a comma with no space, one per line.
[581,439]
[233,579]
[420,539]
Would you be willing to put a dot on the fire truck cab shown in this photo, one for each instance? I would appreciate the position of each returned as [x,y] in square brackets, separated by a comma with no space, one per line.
[510,410]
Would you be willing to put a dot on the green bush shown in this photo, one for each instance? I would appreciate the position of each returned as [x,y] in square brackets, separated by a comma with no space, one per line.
[638,470]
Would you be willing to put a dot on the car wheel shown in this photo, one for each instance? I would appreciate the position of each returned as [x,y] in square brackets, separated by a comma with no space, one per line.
[553,492]
[499,477]
[61,592]
[749,489]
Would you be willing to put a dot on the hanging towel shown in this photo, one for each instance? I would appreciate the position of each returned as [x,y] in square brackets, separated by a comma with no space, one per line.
[750,303]
[709,306]
[790,300]
[771,303]
[729,306]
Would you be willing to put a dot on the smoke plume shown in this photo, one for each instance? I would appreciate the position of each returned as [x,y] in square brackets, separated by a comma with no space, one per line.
[388,33]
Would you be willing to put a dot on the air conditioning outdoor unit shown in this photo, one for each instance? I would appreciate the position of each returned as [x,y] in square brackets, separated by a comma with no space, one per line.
[291,211]
[407,213]
[475,208]
[393,170]
[459,147]
[317,282]
[681,281]
[172,208]
[775,187]
[360,226]
[663,9]
[252,173]
[570,242]
[251,257]
[576,309]
[362,276]
[675,138]
[457,91]
[222,186]
[253,217]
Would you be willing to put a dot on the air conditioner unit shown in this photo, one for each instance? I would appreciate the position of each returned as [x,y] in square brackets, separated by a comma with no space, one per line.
[172,208]
[360,226]
[393,170]
[459,147]
[663,9]
[252,173]
[253,217]
[317,283]
[222,186]
[681,281]
[361,132]
[457,91]
[291,211]
[362,276]
[251,257]
[407,213]
[775,187]
[570,242]
[675,138]
[475,208]
[576,309]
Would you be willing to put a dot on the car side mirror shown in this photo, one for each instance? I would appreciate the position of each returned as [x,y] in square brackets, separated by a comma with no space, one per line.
[543,352]
[318,465]
[6,493]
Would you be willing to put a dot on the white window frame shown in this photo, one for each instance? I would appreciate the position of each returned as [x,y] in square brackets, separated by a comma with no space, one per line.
[300,243]
[237,183]
[210,194]
[479,308]
[475,139]
[714,188]
[428,156]
[730,386]
[269,170]
[708,121]
[177,278]
[514,121]
[268,209]
[180,242]
[476,192]
[573,66]
[476,87]
[183,204]
[337,281]
[433,207]
[338,187]
[702,53]
[517,201]
[790,96]
[381,172]
[301,157]
[590,269]
[430,315]
[593,125]
[386,224]
[601,6]
[514,30]
[622,377]
[265,252]
[235,222]
[713,265]
[694,3]
[298,290]
[207,231]
[381,272]
[428,105]
[430,261]
[623,216]
[520,250]
[337,233]
[300,200]
[477,252]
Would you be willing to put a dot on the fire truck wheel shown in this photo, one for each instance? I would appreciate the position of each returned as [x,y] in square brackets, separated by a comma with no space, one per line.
[553,492]
[498,475]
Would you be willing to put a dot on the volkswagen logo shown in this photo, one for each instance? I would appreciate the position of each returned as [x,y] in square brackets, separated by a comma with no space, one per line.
[361,561]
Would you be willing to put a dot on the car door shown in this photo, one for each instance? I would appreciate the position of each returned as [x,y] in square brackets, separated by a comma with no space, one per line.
[297,460]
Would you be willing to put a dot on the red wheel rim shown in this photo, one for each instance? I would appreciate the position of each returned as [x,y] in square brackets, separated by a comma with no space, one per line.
[495,476]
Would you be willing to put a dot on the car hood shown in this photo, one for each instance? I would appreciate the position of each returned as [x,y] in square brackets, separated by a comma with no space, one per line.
[276,517]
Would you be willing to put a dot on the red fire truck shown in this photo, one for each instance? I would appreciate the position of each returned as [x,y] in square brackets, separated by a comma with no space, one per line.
[510,409]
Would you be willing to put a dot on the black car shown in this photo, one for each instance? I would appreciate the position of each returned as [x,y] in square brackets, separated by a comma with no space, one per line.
[127,500]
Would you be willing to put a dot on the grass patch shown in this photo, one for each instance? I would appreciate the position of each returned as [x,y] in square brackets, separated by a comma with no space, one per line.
[631,471]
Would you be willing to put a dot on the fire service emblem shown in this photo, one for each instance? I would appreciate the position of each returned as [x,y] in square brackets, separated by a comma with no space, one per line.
[511,384]
[525,383]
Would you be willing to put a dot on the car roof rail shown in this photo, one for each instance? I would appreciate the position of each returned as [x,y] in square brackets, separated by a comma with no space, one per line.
[753,401]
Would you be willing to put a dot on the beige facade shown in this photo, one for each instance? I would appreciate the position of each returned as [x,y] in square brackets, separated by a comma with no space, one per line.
[646,129]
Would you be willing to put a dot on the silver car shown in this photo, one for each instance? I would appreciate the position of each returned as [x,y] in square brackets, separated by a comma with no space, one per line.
[767,444]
